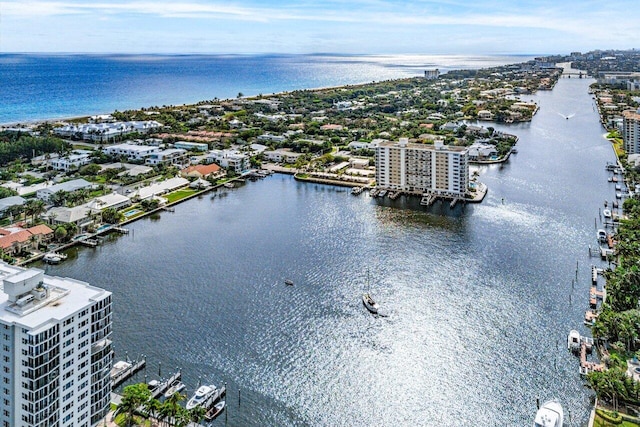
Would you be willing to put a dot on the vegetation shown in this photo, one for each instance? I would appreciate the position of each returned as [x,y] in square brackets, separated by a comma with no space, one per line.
[14,146]
[136,400]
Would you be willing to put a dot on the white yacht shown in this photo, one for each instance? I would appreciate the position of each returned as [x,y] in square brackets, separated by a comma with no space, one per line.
[606,213]
[550,414]
[201,395]
[602,235]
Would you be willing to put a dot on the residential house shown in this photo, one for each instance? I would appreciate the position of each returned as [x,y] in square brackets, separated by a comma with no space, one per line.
[281,156]
[168,157]
[191,146]
[8,202]
[73,161]
[131,151]
[229,159]
[17,240]
[67,186]
[202,171]
[81,216]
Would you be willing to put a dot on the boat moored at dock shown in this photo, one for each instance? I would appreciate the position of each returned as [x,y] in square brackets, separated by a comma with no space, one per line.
[550,414]
[200,397]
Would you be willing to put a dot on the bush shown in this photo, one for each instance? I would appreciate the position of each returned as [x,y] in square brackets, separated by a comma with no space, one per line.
[612,417]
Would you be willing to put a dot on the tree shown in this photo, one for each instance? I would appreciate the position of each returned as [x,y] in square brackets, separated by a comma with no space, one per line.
[133,396]
[34,207]
[112,216]
[60,234]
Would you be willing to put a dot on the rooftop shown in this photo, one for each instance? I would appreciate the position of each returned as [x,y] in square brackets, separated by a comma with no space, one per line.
[65,297]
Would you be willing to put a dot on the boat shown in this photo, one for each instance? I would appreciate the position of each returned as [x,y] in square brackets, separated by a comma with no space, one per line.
[382,193]
[176,387]
[606,213]
[550,414]
[53,257]
[606,203]
[202,394]
[618,195]
[368,301]
[228,185]
[215,411]
[602,236]
[573,340]
[288,282]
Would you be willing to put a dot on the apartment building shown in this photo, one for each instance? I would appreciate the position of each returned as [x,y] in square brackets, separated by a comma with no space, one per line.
[422,169]
[631,131]
[55,350]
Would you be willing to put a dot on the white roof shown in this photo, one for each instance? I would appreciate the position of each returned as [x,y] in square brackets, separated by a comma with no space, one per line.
[161,187]
[78,296]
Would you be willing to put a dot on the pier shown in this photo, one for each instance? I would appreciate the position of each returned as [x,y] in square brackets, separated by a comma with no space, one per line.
[164,385]
[123,370]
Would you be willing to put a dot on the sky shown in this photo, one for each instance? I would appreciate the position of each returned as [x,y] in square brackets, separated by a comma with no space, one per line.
[307,26]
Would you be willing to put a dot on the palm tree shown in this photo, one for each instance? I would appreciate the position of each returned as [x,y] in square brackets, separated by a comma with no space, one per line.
[197,414]
[152,406]
[171,407]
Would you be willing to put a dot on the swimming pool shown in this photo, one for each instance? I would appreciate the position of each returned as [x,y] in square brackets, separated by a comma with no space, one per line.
[132,212]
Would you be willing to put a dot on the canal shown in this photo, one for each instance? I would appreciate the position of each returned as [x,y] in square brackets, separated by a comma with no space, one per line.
[479,299]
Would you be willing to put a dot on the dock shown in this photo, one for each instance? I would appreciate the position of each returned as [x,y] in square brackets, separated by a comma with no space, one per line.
[123,370]
[92,243]
[586,366]
[428,200]
[120,230]
[164,385]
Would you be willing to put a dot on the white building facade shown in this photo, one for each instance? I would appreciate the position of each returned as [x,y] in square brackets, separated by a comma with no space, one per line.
[437,169]
[55,345]
[131,151]
[631,131]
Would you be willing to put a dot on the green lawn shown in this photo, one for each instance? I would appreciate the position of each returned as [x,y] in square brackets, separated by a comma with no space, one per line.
[179,194]
[601,422]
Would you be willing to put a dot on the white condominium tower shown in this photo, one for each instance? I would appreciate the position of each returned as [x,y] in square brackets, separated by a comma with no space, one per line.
[631,131]
[438,169]
[55,350]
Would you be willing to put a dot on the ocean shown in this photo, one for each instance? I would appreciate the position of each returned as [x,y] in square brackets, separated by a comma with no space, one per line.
[38,87]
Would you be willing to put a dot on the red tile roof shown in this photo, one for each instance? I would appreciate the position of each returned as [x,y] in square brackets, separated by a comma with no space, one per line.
[204,170]
[40,229]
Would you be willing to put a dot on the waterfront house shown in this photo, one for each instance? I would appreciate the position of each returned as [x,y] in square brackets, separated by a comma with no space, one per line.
[202,171]
[479,151]
[15,240]
[113,200]
[159,188]
[78,215]
[229,159]
[67,186]
[281,156]
[485,115]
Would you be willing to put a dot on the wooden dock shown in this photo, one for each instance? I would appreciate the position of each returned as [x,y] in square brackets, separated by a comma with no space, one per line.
[164,385]
[586,366]
[92,243]
[122,371]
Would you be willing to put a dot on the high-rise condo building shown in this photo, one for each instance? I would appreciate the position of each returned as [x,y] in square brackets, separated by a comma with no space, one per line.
[437,169]
[631,131]
[55,350]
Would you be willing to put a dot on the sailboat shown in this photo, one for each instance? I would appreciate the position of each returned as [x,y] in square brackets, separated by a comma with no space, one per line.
[368,301]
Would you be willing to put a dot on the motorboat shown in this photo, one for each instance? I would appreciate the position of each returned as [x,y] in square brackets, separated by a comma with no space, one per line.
[618,195]
[573,340]
[550,414]
[602,235]
[369,303]
[175,387]
[53,257]
[606,213]
[288,282]
[202,394]
[215,411]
